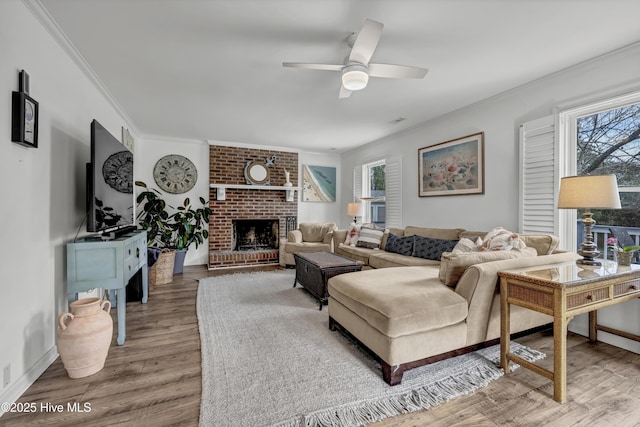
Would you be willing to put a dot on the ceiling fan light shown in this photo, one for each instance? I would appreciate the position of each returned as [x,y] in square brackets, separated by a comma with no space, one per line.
[355,77]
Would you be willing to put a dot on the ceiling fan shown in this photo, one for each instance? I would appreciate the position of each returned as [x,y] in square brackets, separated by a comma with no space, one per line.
[357,69]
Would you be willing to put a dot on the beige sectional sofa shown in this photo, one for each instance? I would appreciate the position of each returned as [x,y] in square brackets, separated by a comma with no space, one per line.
[415,314]
[379,258]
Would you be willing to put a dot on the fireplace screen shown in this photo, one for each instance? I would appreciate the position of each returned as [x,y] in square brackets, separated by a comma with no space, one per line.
[255,234]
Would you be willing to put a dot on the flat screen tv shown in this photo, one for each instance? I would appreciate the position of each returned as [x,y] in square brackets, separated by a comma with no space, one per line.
[109,183]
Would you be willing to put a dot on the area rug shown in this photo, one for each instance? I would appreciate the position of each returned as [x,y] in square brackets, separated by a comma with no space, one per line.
[269,359]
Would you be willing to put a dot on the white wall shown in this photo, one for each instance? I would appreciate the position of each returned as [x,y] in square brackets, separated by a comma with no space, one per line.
[43,191]
[320,211]
[149,150]
[500,117]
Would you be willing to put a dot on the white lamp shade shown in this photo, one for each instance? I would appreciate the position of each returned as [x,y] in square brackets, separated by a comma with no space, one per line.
[355,77]
[589,192]
[355,209]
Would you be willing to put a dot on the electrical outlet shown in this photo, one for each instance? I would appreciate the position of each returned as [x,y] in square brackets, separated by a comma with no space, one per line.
[6,376]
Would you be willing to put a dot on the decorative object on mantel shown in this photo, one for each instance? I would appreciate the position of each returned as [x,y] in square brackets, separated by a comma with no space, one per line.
[24,114]
[287,182]
[175,174]
[318,184]
[256,173]
[589,192]
[178,230]
[127,139]
[84,336]
[451,168]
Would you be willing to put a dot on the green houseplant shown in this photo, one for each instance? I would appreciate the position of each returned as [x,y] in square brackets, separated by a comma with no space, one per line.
[169,227]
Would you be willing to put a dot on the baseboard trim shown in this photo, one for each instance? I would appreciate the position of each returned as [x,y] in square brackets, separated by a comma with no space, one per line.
[17,389]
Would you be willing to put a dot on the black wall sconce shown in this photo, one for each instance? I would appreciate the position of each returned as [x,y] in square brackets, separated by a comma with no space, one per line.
[24,114]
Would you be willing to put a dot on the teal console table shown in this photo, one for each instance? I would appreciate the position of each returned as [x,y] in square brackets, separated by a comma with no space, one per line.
[94,263]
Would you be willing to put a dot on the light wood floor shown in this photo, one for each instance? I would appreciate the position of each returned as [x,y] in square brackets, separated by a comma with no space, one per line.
[154,379]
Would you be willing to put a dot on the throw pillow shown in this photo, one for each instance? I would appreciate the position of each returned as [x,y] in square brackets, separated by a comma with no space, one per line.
[402,245]
[453,265]
[500,239]
[467,245]
[370,237]
[352,234]
[430,248]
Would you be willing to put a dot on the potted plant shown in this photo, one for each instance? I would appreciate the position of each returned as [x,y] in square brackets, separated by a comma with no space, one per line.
[624,255]
[178,230]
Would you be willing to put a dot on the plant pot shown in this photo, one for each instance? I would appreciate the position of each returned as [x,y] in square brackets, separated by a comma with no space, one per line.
[178,267]
[624,258]
[84,336]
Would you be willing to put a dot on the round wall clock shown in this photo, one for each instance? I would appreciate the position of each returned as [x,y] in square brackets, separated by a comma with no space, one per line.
[117,171]
[175,174]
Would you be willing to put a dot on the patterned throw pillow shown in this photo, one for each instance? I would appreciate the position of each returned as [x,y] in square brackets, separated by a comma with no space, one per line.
[430,248]
[352,234]
[402,245]
[370,237]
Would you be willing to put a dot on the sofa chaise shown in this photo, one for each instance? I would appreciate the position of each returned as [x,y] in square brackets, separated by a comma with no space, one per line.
[412,315]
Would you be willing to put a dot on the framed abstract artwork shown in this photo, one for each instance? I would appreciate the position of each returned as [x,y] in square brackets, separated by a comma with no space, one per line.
[318,184]
[452,168]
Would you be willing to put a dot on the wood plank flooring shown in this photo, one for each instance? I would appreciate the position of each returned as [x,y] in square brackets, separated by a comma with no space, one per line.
[154,379]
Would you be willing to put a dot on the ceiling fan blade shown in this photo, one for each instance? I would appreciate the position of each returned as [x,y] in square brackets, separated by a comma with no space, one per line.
[323,67]
[344,92]
[366,42]
[393,71]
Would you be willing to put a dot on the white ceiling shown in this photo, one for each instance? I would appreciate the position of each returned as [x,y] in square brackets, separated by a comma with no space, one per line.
[212,70]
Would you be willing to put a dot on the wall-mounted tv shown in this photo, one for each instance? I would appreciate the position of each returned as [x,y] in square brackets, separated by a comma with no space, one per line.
[109,182]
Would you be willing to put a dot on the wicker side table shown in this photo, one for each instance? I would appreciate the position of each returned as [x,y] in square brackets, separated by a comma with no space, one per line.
[314,269]
[563,292]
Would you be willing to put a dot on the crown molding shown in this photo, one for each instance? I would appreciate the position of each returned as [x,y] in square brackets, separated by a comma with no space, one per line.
[253,146]
[42,14]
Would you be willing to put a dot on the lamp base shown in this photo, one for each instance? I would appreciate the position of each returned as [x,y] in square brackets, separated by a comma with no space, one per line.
[588,262]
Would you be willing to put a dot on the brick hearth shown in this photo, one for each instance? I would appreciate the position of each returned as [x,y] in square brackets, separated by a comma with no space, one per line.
[226,166]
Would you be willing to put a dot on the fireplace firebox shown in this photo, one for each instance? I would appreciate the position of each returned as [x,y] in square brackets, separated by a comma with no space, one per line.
[255,234]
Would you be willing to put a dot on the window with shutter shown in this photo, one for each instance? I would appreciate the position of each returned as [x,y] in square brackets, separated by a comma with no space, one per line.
[539,175]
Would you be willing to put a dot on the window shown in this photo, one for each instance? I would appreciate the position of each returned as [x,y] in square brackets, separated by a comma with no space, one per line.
[608,142]
[596,138]
[373,192]
[378,184]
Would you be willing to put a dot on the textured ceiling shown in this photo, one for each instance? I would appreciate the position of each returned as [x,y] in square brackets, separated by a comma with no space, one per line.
[212,70]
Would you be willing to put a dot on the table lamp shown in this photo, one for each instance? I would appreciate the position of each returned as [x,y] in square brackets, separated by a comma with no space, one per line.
[355,210]
[589,192]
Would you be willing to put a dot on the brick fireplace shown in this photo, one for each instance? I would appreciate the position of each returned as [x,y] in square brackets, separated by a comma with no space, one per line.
[254,212]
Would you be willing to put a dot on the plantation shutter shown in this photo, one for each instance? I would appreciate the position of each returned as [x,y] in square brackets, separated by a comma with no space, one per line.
[357,183]
[393,192]
[539,175]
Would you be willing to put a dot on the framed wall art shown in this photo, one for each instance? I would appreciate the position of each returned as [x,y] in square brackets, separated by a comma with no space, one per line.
[318,184]
[452,168]
[24,114]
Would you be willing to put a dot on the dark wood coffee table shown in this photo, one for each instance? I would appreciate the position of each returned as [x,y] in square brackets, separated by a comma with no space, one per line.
[314,269]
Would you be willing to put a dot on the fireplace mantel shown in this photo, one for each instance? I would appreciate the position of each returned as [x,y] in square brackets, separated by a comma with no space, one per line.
[221,189]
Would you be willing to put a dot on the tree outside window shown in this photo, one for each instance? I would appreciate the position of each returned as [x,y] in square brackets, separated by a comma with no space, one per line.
[608,142]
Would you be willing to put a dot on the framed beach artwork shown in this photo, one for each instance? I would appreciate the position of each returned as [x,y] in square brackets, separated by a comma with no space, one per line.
[318,184]
[452,168]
